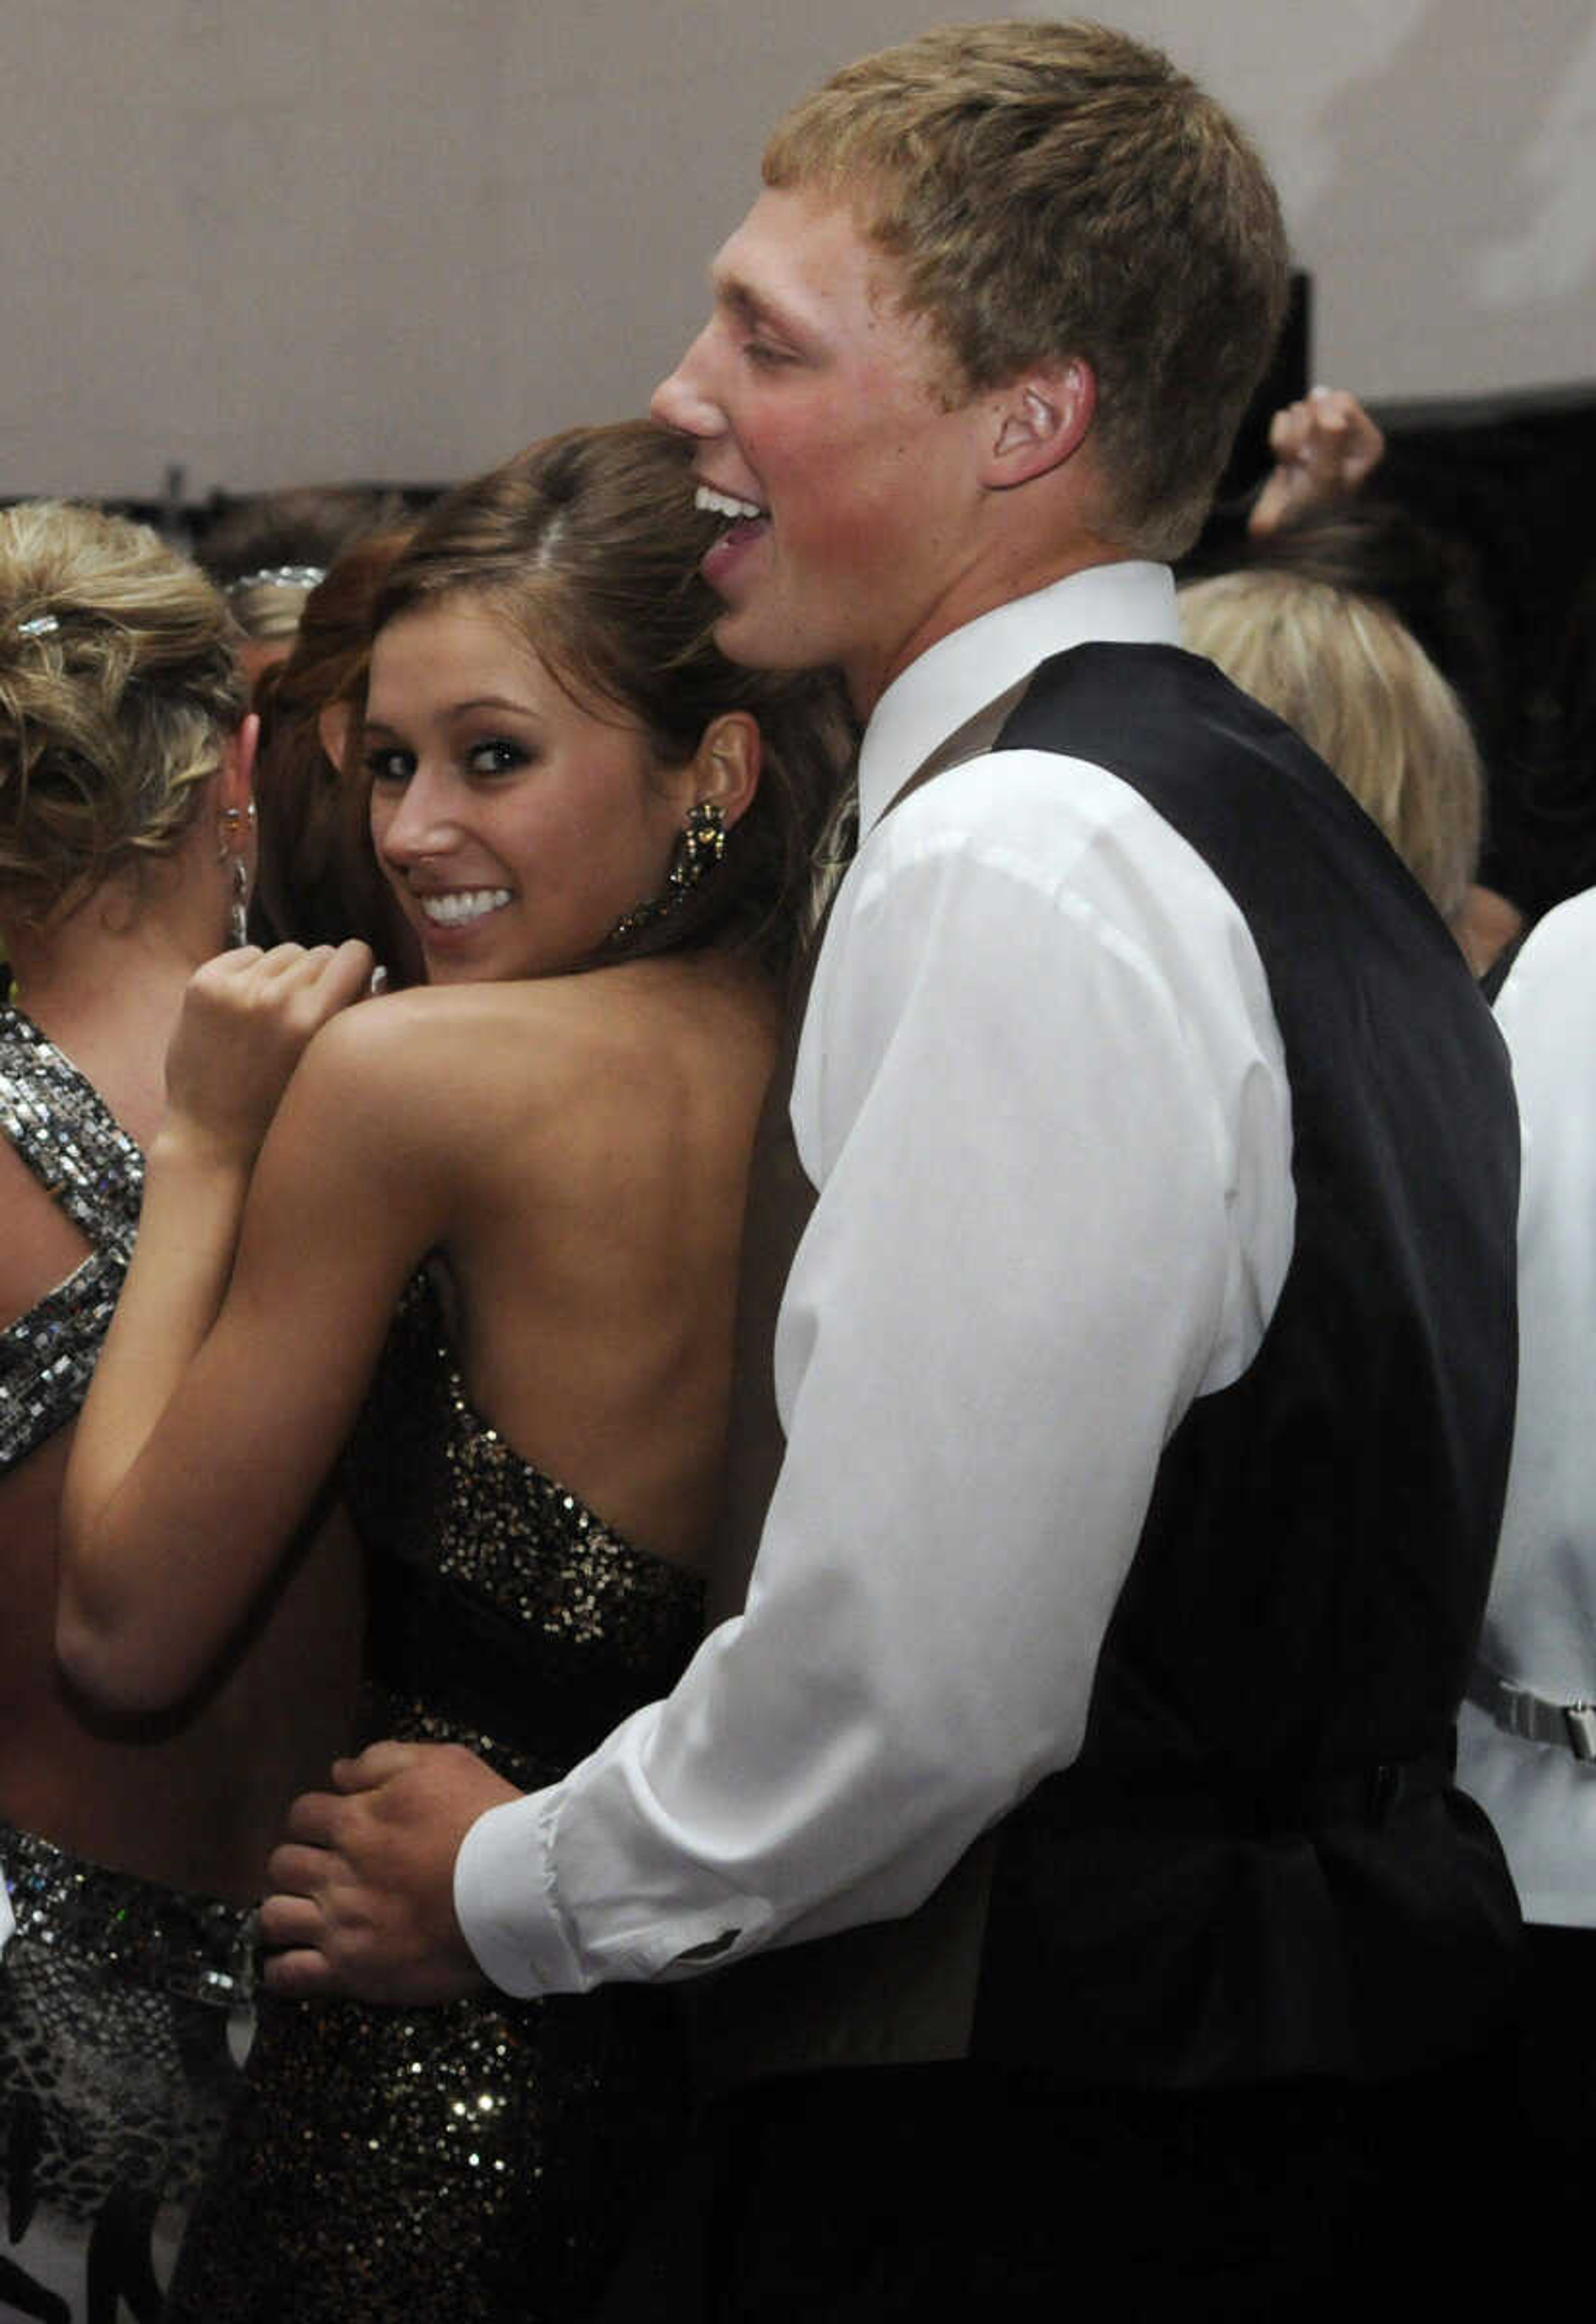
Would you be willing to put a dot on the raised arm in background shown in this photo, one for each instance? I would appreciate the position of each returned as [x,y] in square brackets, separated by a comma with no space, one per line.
[1325,447]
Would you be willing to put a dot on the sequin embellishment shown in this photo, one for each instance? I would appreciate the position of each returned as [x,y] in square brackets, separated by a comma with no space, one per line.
[115,2074]
[481,2161]
[65,1134]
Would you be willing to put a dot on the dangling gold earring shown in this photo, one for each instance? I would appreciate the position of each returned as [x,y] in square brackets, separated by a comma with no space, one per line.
[700,847]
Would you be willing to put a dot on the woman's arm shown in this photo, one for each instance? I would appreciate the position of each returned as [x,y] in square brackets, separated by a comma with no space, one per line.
[246,1019]
[227,1384]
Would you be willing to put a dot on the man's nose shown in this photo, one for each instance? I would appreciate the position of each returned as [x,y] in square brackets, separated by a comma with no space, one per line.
[684,400]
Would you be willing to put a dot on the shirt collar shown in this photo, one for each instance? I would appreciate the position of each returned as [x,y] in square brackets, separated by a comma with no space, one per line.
[1128,603]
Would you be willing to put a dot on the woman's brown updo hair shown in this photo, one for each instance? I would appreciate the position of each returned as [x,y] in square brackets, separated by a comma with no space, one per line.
[317,882]
[118,690]
[588,545]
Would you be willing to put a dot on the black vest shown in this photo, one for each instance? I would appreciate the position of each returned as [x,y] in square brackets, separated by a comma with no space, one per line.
[1259,1867]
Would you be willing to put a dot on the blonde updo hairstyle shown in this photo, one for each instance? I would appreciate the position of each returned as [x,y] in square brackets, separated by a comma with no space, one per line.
[118,689]
[1362,691]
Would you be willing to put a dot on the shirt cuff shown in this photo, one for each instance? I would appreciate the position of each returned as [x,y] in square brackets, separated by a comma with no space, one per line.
[505,1900]
[508,1900]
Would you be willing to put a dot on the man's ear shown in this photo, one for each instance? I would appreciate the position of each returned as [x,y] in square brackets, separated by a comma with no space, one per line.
[1038,421]
[725,766]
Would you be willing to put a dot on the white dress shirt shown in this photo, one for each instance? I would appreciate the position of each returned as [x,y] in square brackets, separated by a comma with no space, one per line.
[1540,1624]
[1041,1094]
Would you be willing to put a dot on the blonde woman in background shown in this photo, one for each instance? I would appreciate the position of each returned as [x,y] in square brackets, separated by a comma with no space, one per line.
[1361,690]
[132,1848]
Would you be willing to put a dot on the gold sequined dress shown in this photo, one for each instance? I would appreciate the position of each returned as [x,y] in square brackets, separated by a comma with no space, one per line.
[480,2161]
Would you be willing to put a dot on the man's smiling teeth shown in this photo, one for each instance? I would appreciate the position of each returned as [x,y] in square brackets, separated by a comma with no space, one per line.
[462,904]
[724,503]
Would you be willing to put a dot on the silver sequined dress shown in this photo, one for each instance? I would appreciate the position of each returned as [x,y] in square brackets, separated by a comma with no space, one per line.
[67,1135]
[481,2161]
[115,1993]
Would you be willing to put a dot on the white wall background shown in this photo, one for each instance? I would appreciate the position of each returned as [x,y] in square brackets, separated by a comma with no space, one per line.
[285,240]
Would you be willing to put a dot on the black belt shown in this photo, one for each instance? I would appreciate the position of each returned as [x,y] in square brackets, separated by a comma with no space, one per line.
[489,1674]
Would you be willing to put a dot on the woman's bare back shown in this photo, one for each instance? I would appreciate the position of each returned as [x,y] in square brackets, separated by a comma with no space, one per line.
[593,1252]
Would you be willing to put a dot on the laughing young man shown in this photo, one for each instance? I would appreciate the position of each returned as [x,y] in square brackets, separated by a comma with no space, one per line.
[1059,1825]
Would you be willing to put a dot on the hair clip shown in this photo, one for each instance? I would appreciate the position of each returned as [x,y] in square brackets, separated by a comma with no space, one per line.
[278,577]
[42,625]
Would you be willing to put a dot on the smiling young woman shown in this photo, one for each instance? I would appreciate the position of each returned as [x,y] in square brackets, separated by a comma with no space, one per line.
[561,1120]
[517,824]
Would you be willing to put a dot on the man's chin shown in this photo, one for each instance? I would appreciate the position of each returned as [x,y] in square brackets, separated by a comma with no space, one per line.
[769,644]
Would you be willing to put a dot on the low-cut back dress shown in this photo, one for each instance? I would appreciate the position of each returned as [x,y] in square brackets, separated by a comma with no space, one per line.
[481,2160]
[116,1994]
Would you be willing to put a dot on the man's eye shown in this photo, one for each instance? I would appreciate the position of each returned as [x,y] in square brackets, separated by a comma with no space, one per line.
[763,355]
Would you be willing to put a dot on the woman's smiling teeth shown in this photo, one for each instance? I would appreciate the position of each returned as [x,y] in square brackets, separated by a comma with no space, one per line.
[459,904]
[724,503]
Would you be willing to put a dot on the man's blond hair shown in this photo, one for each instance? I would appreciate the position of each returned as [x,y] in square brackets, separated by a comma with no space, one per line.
[1049,190]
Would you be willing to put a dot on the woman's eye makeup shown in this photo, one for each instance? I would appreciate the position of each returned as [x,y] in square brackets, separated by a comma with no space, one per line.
[386,764]
[487,756]
[496,754]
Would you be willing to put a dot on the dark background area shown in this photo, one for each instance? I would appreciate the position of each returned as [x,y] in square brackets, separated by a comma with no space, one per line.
[1504,489]
[1510,483]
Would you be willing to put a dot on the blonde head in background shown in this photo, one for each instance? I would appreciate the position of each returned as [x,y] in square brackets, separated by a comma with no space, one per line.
[118,690]
[1361,691]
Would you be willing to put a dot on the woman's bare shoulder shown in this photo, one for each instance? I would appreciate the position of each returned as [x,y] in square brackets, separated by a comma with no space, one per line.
[660,1029]
[473,1073]
[391,1084]
[534,1038]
